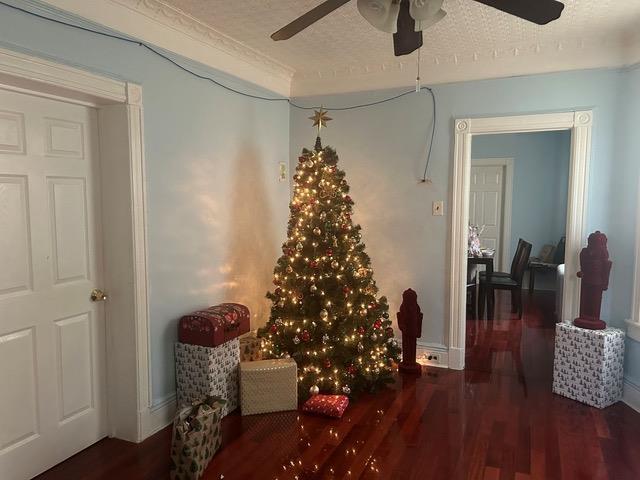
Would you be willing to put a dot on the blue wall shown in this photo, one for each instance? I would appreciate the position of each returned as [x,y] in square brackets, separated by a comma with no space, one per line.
[624,202]
[540,183]
[383,151]
[216,211]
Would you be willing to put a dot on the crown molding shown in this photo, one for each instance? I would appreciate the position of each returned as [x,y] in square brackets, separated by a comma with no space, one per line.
[512,60]
[164,26]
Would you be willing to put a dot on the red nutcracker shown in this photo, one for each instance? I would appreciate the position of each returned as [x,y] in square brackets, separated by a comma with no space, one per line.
[595,268]
[410,323]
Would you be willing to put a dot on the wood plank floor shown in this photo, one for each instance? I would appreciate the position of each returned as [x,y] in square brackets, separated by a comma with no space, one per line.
[496,420]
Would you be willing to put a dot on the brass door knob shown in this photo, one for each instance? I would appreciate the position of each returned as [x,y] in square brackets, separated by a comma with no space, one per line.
[98,295]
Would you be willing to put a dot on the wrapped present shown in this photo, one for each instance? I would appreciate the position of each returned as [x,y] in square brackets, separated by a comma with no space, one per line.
[588,364]
[328,405]
[196,438]
[268,386]
[203,371]
[250,348]
[215,325]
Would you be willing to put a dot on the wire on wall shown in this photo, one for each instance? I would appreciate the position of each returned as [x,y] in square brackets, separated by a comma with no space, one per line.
[228,88]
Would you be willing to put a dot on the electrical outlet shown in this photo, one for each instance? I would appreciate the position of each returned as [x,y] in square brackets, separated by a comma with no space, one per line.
[438,208]
[431,358]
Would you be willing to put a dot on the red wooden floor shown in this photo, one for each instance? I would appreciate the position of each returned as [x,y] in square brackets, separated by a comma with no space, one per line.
[496,420]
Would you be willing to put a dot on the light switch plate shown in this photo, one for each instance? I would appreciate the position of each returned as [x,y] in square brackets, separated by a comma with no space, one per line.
[438,208]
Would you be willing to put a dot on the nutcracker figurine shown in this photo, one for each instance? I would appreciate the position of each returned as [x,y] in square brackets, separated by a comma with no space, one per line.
[595,267]
[410,323]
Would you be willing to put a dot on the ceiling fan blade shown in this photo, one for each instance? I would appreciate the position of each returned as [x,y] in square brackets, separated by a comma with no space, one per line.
[309,18]
[540,11]
[406,39]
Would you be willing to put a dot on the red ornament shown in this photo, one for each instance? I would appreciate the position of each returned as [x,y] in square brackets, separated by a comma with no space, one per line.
[347,199]
[352,369]
[329,252]
[346,290]
[389,332]
[377,324]
[273,328]
[306,336]
[302,158]
[361,330]
[313,264]
[327,363]
[278,291]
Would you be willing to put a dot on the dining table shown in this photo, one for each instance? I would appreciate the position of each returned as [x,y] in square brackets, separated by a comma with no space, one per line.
[487,261]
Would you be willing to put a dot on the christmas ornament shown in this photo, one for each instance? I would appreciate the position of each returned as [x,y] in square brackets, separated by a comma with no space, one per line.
[278,321]
[327,363]
[385,315]
[325,338]
[346,390]
[313,264]
[361,330]
[374,337]
[335,264]
[296,340]
[393,342]
[363,312]
[389,331]
[329,252]
[351,369]
[314,390]
[313,287]
[306,336]
[309,163]
[299,246]
[273,328]
[281,302]
[289,269]
[317,231]
[377,324]
[300,296]
[323,215]
[360,347]
[346,290]
[324,314]
[278,291]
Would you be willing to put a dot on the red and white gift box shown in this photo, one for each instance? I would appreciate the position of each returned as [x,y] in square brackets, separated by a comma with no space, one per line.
[328,405]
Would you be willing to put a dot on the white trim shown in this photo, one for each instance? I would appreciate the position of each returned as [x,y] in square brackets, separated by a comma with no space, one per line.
[169,28]
[580,124]
[507,204]
[633,324]
[119,107]
[631,394]
[159,416]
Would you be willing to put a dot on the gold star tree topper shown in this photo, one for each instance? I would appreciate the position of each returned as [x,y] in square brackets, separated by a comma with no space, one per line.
[320,119]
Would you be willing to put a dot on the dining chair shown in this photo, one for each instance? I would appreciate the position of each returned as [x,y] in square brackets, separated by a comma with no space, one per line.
[483,275]
[511,282]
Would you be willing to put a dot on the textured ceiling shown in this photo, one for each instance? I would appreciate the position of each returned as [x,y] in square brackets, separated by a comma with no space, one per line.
[344,40]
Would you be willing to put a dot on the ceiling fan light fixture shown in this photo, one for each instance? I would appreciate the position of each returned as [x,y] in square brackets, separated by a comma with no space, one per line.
[426,13]
[381,14]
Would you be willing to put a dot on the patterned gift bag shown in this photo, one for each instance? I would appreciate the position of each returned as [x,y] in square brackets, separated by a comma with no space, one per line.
[250,348]
[196,438]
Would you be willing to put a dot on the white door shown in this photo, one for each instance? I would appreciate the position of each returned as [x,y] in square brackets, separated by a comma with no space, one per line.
[52,340]
[486,194]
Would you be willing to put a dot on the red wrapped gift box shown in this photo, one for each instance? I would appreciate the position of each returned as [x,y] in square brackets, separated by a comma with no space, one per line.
[329,405]
[215,325]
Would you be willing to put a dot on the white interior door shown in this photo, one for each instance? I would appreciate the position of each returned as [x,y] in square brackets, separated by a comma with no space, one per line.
[52,340]
[486,194]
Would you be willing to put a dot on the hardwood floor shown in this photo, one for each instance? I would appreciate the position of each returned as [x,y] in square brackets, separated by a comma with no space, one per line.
[496,420]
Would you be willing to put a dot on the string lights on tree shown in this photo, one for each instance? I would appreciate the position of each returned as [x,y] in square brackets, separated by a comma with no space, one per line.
[325,312]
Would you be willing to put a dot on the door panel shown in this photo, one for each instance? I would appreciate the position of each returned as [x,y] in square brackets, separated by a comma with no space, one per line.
[52,350]
[486,205]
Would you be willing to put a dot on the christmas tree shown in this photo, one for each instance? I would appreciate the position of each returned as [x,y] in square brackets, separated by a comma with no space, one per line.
[325,312]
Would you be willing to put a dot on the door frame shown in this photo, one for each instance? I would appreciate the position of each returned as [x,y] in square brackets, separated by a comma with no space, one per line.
[579,123]
[124,237]
[507,203]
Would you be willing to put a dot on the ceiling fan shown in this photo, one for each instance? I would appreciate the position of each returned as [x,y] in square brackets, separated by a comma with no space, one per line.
[406,19]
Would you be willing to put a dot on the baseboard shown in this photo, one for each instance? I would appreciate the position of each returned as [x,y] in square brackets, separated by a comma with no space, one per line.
[432,354]
[456,358]
[631,394]
[157,417]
